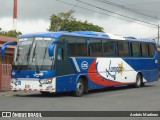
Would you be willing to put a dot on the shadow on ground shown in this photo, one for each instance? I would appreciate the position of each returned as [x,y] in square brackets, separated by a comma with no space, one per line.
[97,91]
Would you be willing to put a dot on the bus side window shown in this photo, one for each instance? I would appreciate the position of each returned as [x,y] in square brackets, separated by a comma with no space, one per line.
[135,49]
[145,50]
[60,54]
[122,49]
[108,48]
[76,46]
[71,46]
[151,50]
[95,48]
[81,47]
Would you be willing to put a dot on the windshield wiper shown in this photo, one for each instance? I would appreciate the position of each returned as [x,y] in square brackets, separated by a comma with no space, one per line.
[44,56]
[36,63]
[26,57]
[35,56]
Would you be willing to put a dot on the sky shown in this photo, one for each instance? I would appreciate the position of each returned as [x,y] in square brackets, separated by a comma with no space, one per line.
[34,15]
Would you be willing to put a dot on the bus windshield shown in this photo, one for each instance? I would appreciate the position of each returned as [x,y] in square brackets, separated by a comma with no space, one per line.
[32,54]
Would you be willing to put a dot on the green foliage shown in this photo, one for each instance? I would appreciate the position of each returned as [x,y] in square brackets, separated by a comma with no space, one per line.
[67,22]
[10,33]
[59,21]
[81,26]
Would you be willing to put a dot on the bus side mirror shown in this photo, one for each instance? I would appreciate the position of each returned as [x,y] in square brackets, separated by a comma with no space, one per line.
[4,47]
[51,48]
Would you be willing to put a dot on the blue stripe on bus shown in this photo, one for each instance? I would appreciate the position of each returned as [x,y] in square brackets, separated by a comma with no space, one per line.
[33,74]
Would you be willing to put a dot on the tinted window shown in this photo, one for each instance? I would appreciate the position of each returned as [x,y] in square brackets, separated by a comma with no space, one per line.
[122,49]
[151,50]
[76,46]
[71,47]
[81,47]
[95,48]
[109,49]
[144,48]
[135,49]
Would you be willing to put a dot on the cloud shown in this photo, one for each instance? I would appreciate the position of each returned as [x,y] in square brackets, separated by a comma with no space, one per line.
[33,26]
[6,8]
[33,15]
[123,28]
[32,9]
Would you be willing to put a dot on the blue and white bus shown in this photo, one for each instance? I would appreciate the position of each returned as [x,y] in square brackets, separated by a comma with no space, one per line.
[53,62]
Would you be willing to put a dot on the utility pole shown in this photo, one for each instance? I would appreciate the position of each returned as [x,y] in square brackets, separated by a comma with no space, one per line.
[15,15]
[158,36]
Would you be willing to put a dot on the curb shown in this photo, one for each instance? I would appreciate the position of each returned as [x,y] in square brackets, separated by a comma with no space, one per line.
[6,93]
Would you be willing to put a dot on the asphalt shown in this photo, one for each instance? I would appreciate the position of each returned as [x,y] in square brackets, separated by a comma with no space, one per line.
[110,99]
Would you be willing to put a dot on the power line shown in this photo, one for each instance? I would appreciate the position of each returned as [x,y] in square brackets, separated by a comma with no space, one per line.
[93,10]
[76,4]
[143,10]
[145,3]
[121,2]
[136,9]
[116,13]
[125,8]
[105,14]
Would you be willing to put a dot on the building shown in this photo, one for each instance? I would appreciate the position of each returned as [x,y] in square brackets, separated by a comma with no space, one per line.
[5,63]
[8,59]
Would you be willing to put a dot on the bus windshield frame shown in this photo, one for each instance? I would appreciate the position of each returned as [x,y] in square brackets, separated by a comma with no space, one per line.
[32,54]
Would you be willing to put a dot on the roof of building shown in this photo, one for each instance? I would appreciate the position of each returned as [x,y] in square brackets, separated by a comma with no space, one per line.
[7,39]
[4,39]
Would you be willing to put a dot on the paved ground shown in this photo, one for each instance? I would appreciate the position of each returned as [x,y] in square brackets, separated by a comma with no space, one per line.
[112,99]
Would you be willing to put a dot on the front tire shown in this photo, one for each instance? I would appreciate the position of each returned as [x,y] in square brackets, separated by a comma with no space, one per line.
[80,87]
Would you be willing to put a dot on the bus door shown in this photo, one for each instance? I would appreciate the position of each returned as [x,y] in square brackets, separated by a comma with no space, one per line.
[63,64]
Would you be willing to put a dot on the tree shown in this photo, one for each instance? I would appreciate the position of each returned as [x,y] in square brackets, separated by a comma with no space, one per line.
[59,21]
[67,22]
[10,33]
[81,26]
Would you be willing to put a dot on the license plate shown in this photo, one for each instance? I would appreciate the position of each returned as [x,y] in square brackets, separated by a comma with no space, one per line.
[19,82]
[27,86]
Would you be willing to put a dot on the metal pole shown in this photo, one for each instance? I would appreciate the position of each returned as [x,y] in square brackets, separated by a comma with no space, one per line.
[158,36]
[15,15]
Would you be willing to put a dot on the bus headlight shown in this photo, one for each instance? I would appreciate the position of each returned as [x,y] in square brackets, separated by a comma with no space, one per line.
[14,81]
[45,81]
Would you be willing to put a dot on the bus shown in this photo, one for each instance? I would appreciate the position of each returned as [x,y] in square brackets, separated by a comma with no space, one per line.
[53,62]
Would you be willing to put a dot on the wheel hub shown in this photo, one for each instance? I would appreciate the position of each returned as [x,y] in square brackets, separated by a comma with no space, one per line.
[79,87]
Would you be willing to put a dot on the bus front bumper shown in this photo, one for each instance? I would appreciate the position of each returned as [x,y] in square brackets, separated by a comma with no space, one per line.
[33,85]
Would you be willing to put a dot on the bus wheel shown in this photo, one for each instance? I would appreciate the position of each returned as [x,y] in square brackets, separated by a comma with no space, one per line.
[138,81]
[79,88]
[143,84]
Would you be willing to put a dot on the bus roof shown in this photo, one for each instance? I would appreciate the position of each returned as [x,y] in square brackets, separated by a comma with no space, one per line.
[92,34]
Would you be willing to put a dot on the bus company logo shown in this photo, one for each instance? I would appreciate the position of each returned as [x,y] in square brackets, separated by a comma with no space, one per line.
[112,70]
[13,73]
[84,65]
[120,68]
[38,74]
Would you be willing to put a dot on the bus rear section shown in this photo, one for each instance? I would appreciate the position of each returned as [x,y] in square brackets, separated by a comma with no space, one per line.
[100,63]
